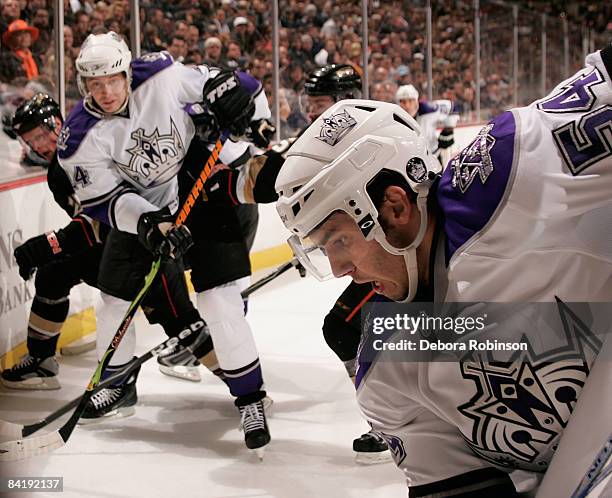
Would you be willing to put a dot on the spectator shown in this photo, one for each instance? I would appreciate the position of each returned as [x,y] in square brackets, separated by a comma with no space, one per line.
[150,39]
[212,51]
[16,59]
[193,39]
[242,35]
[178,48]
[81,28]
[40,20]
[233,56]
[96,21]
[69,47]
[220,21]
[11,11]
[257,68]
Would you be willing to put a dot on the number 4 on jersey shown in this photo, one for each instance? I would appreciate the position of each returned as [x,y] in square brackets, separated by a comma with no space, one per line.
[80,177]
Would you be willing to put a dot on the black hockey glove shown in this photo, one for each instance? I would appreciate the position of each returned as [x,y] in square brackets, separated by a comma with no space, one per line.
[260,132]
[159,235]
[74,238]
[206,126]
[446,138]
[220,188]
[230,103]
[36,252]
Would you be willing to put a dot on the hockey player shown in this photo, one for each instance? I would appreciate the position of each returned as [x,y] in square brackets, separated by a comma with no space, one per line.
[37,123]
[65,257]
[341,328]
[430,116]
[517,216]
[342,325]
[123,146]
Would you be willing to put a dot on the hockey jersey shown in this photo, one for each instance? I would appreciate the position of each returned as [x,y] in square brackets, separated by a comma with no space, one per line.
[430,116]
[526,212]
[125,165]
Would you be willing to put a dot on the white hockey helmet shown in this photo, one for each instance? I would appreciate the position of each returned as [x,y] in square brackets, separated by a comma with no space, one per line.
[102,55]
[331,165]
[406,92]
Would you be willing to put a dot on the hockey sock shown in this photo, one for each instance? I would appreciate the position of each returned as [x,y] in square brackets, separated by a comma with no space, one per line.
[222,308]
[46,319]
[109,315]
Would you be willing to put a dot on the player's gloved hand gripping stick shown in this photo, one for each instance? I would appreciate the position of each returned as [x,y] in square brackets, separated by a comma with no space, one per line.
[25,448]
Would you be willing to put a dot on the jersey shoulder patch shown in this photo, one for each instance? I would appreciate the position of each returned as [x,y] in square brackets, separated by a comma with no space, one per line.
[149,65]
[74,130]
[475,181]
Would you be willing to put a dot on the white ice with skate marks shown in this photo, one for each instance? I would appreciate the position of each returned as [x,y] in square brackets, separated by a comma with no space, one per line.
[183,439]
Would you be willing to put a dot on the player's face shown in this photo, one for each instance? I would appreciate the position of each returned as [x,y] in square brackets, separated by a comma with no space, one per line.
[411,106]
[42,140]
[350,254]
[109,92]
[317,105]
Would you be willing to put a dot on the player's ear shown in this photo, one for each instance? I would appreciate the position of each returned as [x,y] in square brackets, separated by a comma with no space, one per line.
[395,213]
[396,207]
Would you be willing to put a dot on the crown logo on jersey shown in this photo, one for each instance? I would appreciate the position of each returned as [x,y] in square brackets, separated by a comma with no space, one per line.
[62,138]
[155,158]
[474,160]
[522,404]
[335,127]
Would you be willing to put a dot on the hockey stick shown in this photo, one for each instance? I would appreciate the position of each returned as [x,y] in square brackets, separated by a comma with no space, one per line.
[294,263]
[10,429]
[39,445]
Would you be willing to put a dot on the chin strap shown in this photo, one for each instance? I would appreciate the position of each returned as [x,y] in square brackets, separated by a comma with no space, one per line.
[413,275]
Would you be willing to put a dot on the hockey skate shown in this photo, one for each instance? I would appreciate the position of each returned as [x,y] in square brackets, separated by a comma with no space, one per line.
[33,374]
[253,423]
[371,449]
[179,362]
[112,402]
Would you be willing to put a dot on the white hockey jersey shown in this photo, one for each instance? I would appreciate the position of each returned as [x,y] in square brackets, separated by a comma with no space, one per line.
[527,217]
[430,116]
[123,166]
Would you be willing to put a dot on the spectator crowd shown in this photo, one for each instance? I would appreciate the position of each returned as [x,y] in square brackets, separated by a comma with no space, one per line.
[238,34]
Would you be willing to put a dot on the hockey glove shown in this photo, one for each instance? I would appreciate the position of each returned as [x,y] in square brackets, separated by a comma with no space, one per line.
[206,127]
[220,188]
[230,103]
[159,235]
[38,251]
[260,133]
[446,138]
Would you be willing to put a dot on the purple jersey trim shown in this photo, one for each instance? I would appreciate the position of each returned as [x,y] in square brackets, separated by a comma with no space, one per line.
[366,349]
[149,65]
[99,212]
[80,121]
[74,130]
[426,108]
[475,181]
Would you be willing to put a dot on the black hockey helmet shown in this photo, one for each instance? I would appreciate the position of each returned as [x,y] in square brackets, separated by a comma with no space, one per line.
[340,81]
[39,110]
